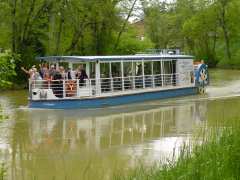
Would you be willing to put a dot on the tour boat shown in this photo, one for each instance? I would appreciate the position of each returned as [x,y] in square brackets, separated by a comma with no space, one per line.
[118,80]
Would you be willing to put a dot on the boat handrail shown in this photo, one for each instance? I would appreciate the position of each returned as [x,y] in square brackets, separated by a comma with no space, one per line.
[75,88]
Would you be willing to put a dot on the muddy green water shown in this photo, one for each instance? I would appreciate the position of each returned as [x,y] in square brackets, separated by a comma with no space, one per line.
[97,144]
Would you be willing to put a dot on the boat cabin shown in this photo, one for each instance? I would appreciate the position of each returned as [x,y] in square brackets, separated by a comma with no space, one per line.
[115,75]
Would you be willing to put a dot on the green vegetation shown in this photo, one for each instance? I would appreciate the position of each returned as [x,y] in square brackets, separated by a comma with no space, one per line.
[62,27]
[7,69]
[217,157]
[207,29]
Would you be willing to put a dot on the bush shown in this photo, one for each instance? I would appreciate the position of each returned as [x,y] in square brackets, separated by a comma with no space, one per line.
[7,69]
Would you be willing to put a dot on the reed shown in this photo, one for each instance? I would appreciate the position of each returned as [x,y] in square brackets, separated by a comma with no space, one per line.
[217,157]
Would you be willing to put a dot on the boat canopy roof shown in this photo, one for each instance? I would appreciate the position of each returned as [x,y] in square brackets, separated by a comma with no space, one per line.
[112,58]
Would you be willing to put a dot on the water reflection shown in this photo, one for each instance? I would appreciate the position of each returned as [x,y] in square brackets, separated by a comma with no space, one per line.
[71,144]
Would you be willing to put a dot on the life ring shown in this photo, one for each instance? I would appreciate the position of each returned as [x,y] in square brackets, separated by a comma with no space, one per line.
[71,88]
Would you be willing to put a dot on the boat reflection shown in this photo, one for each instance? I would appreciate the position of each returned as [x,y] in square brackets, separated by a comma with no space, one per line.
[71,129]
[98,143]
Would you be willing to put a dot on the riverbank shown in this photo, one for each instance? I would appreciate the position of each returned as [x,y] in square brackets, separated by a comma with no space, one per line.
[217,157]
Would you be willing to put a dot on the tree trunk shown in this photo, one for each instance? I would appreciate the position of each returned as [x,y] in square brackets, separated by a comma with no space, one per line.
[124,25]
[26,24]
[13,5]
[224,28]
[60,27]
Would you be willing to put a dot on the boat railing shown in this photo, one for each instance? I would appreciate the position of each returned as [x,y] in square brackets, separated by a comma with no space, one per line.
[75,88]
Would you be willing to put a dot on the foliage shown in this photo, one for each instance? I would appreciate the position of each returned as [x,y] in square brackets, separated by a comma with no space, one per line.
[130,44]
[62,27]
[207,29]
[7,69]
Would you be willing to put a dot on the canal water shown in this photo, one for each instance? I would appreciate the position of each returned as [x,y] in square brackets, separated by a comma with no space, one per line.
[101,143]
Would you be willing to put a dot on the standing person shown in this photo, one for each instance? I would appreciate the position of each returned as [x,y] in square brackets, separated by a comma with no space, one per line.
[57,84]
[28,72]
[71,74]
[43,69]
[47,80]
[34,77]
[81,75]
[62,72]
[52,71]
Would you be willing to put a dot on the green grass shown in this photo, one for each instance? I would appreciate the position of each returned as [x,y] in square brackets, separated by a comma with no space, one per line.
[218,157]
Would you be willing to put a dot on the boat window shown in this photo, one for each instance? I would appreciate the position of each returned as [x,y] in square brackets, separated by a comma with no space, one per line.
[104,69]
[92,70]
[116,69]
[156,67]
[127,66]
[116,74]
[167,67]
[148,68]
[76,65]
[138,68]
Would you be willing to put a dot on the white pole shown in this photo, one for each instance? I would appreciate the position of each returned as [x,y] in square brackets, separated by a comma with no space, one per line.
[143,74]
[70,65]
[162,71]
[64,90]
[110,75]
[153,79]
[57,65]
[97,78]
[133,74]
[88,69]
[122,75]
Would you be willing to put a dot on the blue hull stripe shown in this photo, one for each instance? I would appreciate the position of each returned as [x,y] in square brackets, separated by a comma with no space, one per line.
[111,101]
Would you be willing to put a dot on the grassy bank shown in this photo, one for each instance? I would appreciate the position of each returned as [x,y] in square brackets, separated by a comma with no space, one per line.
[217,158]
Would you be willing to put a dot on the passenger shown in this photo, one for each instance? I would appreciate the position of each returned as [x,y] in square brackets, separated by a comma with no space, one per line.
[62,72]
[81,75]
[69,74]
[52,71]
[57,84]
[33,73]
[28,72]
[34,76]
[43,69]
[47,79]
